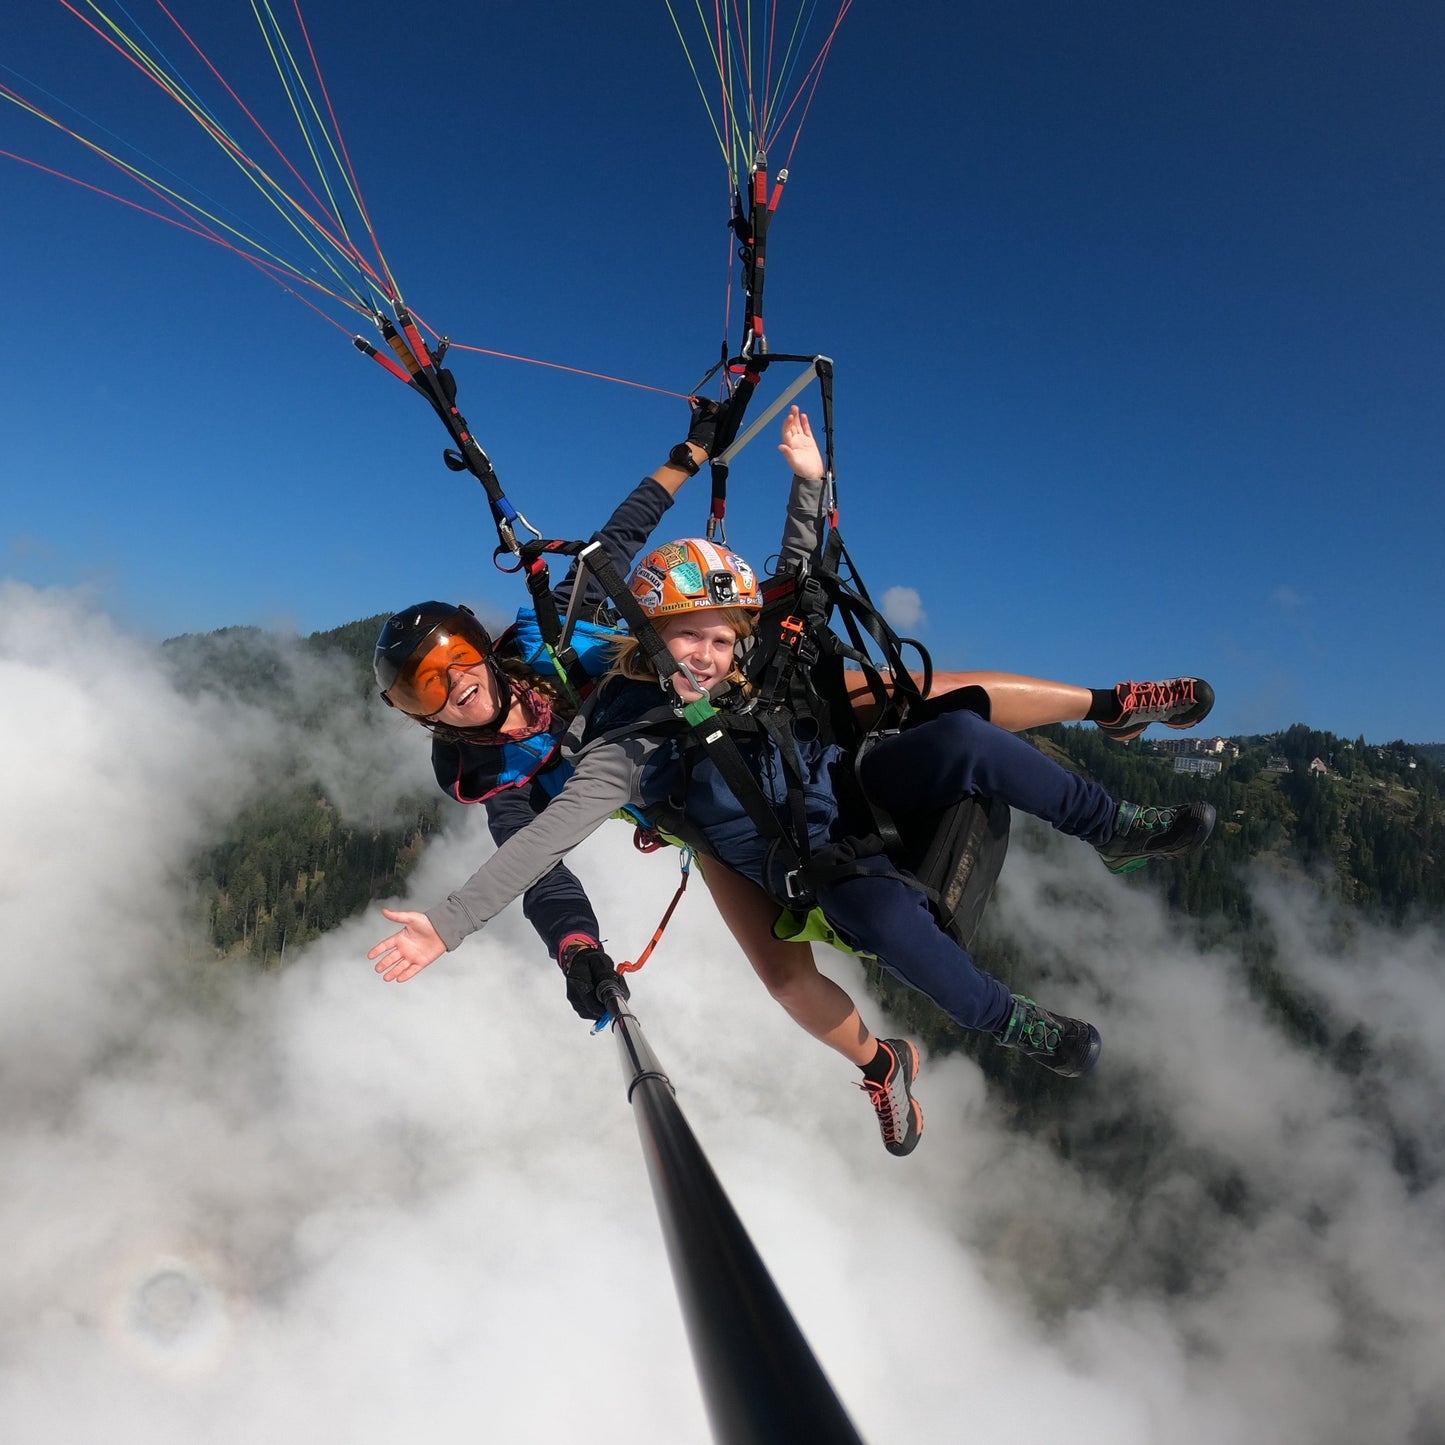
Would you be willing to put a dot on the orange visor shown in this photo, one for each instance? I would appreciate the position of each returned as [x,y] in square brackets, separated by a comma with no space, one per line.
[424,683]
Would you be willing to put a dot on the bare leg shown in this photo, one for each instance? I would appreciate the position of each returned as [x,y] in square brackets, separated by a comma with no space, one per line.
[812,1000]
[1019,703]
[1016,703]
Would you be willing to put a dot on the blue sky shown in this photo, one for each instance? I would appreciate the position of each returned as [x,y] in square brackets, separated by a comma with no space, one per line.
[1138,312]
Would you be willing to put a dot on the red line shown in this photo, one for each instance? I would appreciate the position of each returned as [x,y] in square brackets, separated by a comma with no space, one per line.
[200,229]
[558,366]
[388,290]
[815,71]
[230,146]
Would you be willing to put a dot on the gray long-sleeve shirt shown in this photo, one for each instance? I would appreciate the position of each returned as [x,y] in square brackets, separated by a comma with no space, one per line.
[607,775]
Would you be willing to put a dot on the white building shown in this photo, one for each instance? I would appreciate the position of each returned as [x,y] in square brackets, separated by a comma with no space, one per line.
[1205,767]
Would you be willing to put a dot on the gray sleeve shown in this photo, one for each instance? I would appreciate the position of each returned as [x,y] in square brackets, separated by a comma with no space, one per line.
[803,527]
[605,779]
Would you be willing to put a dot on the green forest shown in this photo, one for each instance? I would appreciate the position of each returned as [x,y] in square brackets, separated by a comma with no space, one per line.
[292,866]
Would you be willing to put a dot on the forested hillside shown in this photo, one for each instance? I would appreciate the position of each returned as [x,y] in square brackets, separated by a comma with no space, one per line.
[292,865]
[1371,817]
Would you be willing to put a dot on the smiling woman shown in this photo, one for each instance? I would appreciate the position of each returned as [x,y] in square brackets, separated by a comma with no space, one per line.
[497,709]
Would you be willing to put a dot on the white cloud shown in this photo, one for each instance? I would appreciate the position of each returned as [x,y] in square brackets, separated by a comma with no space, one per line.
[903,607]
[316,1206]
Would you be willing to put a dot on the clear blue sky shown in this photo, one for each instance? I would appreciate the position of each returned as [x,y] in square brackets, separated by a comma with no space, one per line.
[1138,312]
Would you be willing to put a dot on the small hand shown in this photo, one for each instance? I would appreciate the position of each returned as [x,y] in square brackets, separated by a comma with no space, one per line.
[799,448]
[402,956]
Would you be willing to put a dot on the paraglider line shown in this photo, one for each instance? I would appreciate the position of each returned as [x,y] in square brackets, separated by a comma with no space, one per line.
[558,366]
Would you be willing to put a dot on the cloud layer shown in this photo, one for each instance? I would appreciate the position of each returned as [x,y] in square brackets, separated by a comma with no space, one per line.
[310,1205]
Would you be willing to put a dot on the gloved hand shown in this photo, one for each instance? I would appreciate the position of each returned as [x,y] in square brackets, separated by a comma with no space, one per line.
[707,418]
[586,968]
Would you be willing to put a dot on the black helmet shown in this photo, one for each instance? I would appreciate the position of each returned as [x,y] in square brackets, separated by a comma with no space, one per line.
[415,634]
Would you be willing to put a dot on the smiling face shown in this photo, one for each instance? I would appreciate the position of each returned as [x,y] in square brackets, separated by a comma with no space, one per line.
[450,679]
[471,697]
[705,643]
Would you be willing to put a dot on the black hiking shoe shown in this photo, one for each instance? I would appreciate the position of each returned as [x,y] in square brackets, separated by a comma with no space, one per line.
[1143,833]
[1177,702]
[1067,1046]
[899,1117]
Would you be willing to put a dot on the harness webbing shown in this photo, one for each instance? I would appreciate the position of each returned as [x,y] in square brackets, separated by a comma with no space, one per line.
[709,728]
[795,649]
[727,442]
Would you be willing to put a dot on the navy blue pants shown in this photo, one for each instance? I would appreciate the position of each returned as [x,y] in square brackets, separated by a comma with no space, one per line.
[923,771]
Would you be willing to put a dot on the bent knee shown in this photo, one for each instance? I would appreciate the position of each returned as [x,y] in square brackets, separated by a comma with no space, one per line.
[787,982]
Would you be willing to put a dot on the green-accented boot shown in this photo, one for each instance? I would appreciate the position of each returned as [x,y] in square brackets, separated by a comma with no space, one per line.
[1143,833]
[1067,1046]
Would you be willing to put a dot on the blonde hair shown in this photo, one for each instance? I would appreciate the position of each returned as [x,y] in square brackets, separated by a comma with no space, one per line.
[629,660]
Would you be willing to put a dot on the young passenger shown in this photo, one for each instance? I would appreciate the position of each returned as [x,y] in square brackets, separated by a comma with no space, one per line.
[704,600]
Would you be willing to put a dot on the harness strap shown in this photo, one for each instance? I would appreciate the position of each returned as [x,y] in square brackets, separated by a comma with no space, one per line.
[707,726]
[426,375]
[656,938]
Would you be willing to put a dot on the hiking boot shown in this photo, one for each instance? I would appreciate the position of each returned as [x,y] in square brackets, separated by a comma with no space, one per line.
[1177,702]
[899,1116]
[1143,833]
[1067,1046]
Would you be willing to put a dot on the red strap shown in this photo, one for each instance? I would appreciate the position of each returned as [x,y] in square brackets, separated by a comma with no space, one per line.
[666,917]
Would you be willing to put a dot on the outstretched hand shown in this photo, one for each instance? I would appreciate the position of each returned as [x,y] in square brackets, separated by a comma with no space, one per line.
[799,447]
[402,956]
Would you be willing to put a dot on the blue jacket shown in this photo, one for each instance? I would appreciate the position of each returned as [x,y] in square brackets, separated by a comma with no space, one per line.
[697,805]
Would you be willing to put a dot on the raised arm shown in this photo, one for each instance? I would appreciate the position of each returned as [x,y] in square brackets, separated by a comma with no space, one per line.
[628,529]
[803,527]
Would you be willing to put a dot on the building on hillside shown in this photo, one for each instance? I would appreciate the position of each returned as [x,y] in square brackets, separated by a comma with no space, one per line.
[1318,768]
[1277,765]
[1220,747]
[1204,767]
[1176,746]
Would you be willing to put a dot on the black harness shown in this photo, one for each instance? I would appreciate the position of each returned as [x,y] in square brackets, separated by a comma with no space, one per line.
[817,624]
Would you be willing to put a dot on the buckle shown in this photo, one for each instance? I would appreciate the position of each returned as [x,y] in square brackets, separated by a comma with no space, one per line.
[669,686]
[795,890]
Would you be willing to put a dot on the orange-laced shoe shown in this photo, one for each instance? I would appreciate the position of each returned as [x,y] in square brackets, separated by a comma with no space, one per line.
[899,1116]
[1177,702]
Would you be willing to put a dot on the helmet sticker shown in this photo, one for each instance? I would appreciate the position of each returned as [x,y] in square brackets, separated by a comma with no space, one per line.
[687,578]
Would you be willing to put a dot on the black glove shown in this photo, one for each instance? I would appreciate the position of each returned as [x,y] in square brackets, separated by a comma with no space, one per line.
[585,969]
[708,418]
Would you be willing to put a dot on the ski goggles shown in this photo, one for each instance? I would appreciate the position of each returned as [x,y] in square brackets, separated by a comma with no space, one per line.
[423,683]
